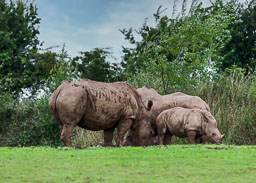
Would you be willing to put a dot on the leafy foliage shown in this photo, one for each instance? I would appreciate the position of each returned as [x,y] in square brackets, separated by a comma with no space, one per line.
[179,51]
[60,71]
[28,123]
[93,65]
[18,40]
[240,50]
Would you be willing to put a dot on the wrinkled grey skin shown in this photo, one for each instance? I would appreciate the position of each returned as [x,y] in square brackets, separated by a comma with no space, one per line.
[195,124]
[161,103]
[98,106]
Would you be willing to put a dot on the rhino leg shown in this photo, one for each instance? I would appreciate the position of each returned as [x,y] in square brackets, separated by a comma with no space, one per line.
[122,129]
[66,134]
[128,140]
[60,127]
[108,136]
[191,136]
[198,140]
[167,138]
[161,131]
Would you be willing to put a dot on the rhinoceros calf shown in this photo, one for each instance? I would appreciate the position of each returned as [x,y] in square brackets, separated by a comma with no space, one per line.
[190,123]
[97,106]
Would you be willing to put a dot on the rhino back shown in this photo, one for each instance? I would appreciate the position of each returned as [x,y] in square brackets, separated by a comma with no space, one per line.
[177,100]
[179,120]
[107,103]
[174,119]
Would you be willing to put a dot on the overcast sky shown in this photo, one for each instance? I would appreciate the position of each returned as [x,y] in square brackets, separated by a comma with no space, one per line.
[86,24]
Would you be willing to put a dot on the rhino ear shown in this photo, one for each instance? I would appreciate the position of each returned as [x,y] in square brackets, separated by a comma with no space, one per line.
[207,116]
[149,104]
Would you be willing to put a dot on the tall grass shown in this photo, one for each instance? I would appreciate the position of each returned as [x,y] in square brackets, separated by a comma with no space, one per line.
[232,100]
[85,138]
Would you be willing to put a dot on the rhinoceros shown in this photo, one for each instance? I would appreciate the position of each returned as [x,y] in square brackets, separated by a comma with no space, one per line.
[97,106]
[161,103]
[147,92]
[191,123]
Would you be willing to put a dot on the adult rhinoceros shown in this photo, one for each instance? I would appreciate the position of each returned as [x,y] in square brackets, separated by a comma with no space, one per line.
[97,106]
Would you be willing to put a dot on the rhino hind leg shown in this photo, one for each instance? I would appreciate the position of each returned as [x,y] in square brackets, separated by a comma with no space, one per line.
[108,136]
[69,121]
[161,131]
[199,140]
[122,128]
[66,134]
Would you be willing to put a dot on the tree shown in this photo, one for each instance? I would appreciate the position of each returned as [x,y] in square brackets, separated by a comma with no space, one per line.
[240,51]
[60,69]
[93,65]
[18,41]
[179,51]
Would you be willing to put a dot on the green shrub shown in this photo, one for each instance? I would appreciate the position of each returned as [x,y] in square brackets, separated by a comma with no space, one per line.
[7,107]
[30,123]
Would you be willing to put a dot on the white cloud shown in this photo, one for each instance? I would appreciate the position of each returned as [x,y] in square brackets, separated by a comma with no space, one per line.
[58,28]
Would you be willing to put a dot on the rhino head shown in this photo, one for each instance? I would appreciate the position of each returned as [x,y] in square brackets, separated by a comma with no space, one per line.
[142,133]
[210,130]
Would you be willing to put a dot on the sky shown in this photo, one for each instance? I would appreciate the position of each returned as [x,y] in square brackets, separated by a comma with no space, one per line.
[83,25]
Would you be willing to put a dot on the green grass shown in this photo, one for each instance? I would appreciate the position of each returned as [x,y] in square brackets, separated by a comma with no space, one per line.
[175,163]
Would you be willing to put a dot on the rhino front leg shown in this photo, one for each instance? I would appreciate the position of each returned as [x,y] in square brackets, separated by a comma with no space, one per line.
[191,136]
[122,129]
[167,138]
[198,140]
[66,134]
[108,136]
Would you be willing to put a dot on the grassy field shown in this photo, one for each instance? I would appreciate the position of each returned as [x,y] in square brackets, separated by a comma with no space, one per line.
[175,163]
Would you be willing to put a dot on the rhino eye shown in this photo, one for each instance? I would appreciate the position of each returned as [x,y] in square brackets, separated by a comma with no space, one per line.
[213,134]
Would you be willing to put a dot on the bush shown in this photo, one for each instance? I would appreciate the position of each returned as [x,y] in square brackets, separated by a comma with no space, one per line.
[29,123]
[7,107]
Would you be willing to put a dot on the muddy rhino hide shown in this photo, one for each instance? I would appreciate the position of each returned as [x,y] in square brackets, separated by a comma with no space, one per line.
[96,106]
